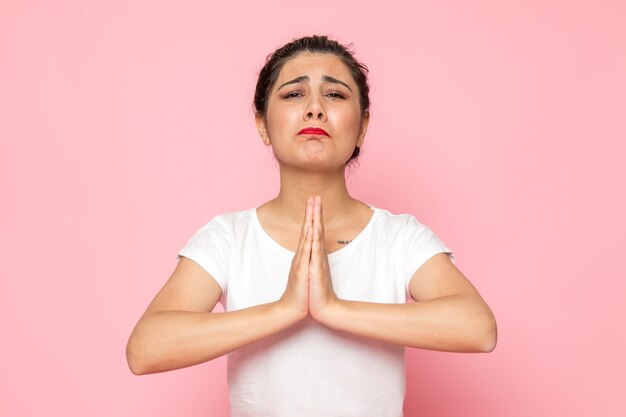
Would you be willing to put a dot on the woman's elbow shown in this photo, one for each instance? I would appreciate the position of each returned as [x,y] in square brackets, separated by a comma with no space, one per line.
[133,359]
[489,333]
[137,357]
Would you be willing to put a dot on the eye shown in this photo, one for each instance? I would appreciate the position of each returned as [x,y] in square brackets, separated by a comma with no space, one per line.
[293,94]
[335,94]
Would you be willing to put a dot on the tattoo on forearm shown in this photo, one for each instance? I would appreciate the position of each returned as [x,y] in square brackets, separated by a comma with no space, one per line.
[343,242]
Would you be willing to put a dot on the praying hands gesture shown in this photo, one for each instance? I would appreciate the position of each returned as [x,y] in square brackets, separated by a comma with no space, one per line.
[309,286]
[178,329]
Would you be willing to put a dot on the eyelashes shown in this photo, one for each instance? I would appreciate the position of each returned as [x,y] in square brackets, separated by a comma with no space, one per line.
[332,94]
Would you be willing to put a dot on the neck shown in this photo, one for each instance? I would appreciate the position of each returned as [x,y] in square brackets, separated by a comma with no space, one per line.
[298,185]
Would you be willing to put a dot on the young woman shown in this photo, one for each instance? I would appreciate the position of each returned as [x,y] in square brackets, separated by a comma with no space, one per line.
[314,282]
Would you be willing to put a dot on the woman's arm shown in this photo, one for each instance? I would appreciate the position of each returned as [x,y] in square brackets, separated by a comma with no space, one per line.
[449,315]
[179,330]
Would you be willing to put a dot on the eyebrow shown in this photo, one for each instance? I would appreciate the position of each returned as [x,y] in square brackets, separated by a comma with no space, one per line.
[326,78]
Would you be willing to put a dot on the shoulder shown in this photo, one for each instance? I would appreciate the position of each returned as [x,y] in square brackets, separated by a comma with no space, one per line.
[398,222]
[407,231]
[225,225]
[231,219]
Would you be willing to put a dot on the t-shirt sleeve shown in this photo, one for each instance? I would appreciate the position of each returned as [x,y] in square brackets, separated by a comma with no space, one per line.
[421,244]
[210,247]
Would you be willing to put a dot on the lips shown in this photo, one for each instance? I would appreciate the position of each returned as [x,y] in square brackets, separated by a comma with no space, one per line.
[313,131]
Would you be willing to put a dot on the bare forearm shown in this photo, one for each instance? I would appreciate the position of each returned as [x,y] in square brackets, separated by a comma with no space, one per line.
[168,340]
[453,323]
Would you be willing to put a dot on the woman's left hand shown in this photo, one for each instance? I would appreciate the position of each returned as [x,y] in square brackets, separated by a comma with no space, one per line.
[322,297]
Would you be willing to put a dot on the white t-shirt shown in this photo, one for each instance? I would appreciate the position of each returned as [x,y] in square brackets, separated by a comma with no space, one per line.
[309,369]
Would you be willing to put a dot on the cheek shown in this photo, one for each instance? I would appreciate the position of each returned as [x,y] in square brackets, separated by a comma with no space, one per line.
[271,123]
[278,122]
[350,122]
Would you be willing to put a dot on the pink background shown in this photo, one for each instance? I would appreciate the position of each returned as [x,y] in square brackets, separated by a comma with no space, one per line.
[125,126]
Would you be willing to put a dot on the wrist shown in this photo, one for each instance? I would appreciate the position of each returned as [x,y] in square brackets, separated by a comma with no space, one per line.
[290,312]
[331,314]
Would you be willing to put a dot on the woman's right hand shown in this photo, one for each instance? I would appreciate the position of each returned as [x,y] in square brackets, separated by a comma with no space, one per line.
[296,295]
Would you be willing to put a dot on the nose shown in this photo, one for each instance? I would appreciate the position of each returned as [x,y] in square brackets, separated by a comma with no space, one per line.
[315,109]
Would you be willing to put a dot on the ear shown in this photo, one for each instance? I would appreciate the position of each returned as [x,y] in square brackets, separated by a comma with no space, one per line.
[260,126]
[365,121]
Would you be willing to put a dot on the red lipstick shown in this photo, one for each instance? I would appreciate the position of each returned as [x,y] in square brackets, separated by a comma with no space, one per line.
[313,131]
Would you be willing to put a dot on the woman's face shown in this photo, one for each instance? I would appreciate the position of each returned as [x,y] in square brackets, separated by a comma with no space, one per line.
[313,91]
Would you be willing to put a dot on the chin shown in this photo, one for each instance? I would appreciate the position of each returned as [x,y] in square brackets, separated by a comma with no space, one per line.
[314,161]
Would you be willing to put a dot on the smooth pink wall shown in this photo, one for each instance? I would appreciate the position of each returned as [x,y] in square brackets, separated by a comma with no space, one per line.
[126,125]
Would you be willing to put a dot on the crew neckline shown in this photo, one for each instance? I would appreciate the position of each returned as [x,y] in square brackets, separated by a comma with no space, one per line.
[331,256]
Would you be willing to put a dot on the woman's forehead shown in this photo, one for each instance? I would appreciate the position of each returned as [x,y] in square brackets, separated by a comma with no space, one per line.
[314,66]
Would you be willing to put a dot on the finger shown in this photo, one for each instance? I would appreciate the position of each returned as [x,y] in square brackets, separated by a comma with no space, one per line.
[304,257]
[321,221]
[316,212]
[316,257]
[307,214]
[311,211]
[307,222]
